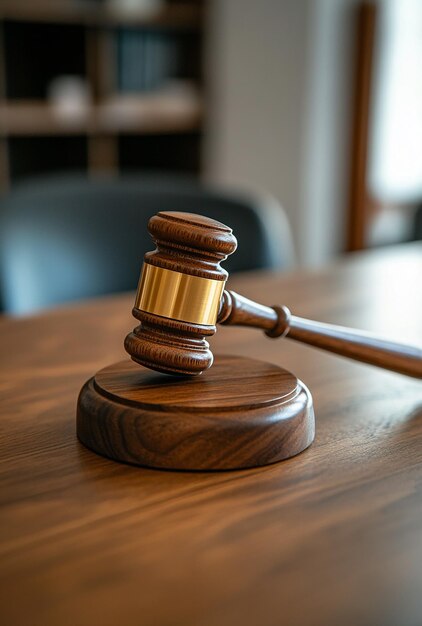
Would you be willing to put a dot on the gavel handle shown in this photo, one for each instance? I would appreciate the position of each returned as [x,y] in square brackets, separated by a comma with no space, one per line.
[358,345]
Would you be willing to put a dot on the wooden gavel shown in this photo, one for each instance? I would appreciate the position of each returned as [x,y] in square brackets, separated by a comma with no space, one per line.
[181,297]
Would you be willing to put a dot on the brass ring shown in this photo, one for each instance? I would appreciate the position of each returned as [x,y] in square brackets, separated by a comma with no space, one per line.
[179,296]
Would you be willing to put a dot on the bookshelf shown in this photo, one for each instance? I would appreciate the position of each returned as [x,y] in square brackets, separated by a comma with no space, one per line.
[141,104]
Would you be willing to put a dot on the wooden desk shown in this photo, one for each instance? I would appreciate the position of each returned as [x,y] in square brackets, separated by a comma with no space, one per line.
[333,536]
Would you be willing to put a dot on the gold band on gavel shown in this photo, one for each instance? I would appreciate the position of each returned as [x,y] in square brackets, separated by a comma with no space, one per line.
[179,296]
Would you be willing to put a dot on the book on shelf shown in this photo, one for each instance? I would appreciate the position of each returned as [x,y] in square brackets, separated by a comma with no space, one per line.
[145,60]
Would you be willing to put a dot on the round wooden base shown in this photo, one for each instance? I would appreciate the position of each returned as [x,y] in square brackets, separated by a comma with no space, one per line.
[240,413]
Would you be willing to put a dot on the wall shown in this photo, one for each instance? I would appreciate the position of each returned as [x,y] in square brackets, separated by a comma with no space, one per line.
[280,74]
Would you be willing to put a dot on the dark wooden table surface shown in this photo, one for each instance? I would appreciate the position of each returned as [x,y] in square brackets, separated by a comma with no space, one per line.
[333,536]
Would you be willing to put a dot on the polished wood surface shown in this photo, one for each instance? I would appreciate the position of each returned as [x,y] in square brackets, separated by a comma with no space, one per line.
[329,537]
[242,413]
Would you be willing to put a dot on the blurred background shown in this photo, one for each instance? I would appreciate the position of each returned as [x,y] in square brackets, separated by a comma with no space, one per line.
[297,122]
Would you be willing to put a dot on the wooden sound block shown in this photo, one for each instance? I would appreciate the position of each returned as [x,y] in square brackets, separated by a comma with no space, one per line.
[240,413]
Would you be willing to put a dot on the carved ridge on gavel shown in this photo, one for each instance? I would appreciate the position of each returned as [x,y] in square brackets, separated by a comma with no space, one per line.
[181,297]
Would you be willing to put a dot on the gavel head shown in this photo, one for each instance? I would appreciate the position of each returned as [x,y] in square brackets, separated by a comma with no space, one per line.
[179,293]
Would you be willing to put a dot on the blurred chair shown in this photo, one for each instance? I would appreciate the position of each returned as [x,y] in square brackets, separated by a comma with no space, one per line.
[68,237]
[417,225]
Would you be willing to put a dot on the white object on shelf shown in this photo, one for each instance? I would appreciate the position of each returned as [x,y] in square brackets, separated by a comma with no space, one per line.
[70,98]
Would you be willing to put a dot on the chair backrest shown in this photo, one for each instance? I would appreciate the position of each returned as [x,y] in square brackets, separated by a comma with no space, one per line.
[417,225]
[67,237]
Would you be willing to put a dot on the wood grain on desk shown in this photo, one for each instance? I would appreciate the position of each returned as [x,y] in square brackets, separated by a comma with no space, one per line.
[332,536]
